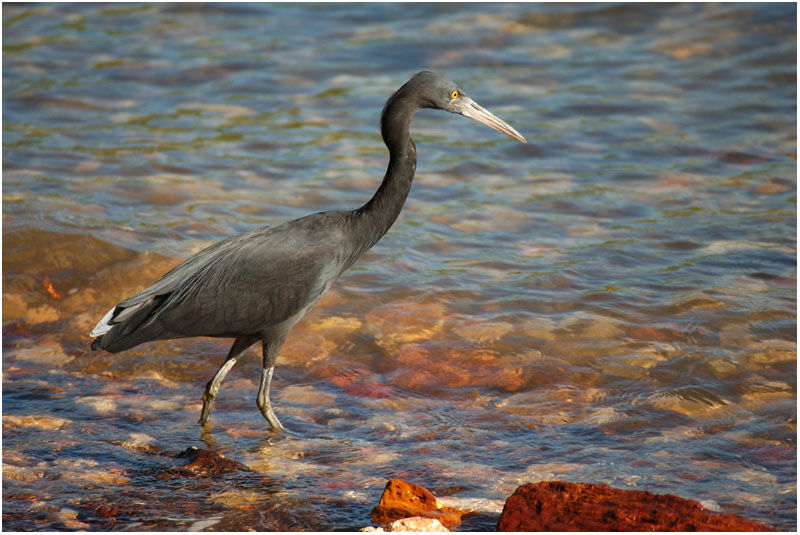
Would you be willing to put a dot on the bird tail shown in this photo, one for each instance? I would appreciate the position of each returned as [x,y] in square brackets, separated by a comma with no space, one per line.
[124,327]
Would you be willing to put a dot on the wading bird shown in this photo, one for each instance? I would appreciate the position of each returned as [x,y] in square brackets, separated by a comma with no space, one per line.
[255,286]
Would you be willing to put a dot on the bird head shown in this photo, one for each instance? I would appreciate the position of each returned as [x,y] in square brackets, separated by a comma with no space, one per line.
[437,92]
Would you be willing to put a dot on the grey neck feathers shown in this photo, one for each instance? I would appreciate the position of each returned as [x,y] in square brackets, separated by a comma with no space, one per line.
[376,217]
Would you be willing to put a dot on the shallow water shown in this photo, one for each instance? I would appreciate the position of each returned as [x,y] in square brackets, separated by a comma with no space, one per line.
[614,302]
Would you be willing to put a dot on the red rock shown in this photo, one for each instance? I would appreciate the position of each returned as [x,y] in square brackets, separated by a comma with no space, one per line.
[420,369]
[401,499]
[362,382]
[562,506]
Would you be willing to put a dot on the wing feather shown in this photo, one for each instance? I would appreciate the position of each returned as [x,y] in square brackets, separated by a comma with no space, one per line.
[261,279]
[239,286]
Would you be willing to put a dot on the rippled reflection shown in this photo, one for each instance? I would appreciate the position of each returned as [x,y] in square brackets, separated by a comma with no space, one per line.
[613,302]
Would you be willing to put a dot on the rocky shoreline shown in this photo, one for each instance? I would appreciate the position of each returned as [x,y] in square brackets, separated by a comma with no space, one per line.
[541,506]
[556,506]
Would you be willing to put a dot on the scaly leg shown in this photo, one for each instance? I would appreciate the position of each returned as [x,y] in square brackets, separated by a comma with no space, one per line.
[270,350]
[212,387]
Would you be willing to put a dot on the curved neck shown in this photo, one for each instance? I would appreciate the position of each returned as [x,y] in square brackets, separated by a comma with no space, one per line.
[377,215]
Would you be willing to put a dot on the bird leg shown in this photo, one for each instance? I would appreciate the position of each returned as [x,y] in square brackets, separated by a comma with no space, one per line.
[212,387]
[270,350]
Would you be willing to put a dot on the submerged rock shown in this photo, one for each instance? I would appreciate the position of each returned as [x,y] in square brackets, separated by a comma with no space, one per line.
[563,506]
[422,368]
[201,463]
[402,322]
[41,421]
[403,500]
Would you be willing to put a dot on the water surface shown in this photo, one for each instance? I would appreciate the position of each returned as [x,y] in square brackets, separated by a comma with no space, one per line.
[614,302]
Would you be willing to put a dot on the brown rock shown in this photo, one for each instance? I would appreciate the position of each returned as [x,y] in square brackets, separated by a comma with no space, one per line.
[422,369]
[400,322]
[201,463]
[562,506]
[401,499]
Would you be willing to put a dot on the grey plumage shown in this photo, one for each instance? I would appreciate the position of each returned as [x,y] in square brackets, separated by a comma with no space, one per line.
[225,290]
[257,285]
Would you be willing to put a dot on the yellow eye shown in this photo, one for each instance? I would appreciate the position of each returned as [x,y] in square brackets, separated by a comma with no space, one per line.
[454,94]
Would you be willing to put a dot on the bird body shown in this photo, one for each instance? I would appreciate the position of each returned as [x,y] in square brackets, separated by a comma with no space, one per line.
[256,285]
[241,285]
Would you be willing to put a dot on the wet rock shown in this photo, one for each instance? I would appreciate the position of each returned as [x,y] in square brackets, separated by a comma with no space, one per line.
[360,381]
[237,499]
[41,314]
[102,478]
[722,367]
[139,442]
[701,302]
[44,353]
[101,507]
[402,322]
[556,405]
[21,473]
[563,506]
[402,500]
[307,395]
[431,368]
[37,421]
[201,463]
[269,516]
[591,327]
[69,517]
[101,404]
[307,348]
[87,472]
[542,328]
[602,328]
[757,400]
[153,375]
[318,338]
[484,332]
[768,352]
[700,407]
[337,323]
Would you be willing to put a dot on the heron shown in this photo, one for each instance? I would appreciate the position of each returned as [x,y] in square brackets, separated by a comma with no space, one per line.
[255,286]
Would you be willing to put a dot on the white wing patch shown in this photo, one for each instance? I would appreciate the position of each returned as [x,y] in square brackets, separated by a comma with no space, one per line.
[103,326]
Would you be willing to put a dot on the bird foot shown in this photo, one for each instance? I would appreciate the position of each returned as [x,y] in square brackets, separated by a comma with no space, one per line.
[275,424]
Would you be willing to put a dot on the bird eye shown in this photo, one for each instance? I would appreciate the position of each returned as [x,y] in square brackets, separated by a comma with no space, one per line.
[454,94]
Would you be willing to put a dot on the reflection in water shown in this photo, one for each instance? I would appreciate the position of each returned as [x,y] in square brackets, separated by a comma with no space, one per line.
[614,302]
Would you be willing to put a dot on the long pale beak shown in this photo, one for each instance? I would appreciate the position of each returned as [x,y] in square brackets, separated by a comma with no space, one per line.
[473,110]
